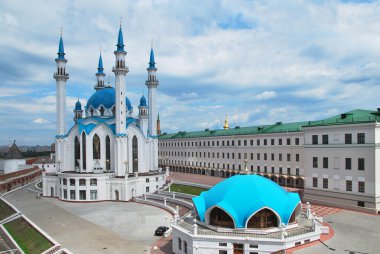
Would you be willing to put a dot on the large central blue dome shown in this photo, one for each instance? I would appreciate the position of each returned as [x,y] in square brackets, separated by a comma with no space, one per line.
[105,97]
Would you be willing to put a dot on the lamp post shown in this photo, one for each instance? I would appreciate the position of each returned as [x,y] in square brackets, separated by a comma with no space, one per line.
[126,163]
[245,165]
[107,165]
[59,165]
[155,248]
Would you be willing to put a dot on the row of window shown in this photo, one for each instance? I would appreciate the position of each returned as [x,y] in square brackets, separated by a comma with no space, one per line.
[227,155]
[348,163]
[82,194]
[82,182]
[360,139]
[325,184]
[245,142]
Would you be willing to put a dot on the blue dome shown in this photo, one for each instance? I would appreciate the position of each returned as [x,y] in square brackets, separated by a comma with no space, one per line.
[143,101]
[241,196]
[105,97]
[78,105]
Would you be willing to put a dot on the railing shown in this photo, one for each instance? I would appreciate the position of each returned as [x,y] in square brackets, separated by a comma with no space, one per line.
[274,235]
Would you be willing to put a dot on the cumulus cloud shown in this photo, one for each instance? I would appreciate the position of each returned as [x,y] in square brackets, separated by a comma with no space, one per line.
[247,59]
[40,121]
[266,95]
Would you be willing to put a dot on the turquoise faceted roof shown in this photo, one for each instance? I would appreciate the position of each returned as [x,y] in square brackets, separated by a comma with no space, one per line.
[120,43]
[105,97]
[100,65]
[241,196]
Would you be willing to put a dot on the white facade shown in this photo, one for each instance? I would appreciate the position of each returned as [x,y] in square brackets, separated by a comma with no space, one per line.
[287,157]
[106,155]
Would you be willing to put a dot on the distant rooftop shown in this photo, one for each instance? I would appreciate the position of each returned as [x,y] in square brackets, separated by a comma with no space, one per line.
[352,117]
[14,152]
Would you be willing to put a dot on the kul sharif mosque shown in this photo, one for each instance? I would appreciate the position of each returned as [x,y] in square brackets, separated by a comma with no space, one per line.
[107,154]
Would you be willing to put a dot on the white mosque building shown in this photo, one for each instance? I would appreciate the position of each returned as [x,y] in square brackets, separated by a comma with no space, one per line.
[107,154]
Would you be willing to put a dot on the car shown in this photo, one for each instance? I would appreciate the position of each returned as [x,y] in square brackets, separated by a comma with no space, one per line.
[160,230]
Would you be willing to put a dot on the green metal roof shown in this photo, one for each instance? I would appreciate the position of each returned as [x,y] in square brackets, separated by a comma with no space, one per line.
[351,117]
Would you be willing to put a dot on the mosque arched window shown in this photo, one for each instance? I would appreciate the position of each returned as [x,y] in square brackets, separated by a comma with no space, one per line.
[76,152]
[135,151]
[96,147]
[101,110]
[264,218]
[83,150]
[108,153]
[220,218]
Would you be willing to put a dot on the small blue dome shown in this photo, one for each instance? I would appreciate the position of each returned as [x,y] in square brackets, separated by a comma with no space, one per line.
[241,196]
[78,105]
[105,97]
[143,101]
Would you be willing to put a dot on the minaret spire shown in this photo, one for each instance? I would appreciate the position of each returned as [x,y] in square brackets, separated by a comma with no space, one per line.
[100,74]
[158,124]
[61,76]
[120,71]
[152,84]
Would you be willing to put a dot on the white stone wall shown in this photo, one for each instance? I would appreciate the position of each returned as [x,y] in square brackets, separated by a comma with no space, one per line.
[12,165]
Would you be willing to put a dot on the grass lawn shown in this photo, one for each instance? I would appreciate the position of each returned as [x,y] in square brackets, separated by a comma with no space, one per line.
[187,189]
[27,237]
[5,210]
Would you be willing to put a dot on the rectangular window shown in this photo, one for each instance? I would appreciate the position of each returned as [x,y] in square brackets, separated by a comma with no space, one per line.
[297,171]
[315,182]
[280,157]
[325,139]
[348,185]
[265,169]
[64,181]
[93,195]
[348,164]
[361,203]
[361,187]
[93,182]
[272,170]
[258,142]
[251,156]
[265,156]
[361,164]
[72,194]
[280,141]
[258,168]
[315,162]
[245,142]
[65,194]
[258,156]
[251,142]
[265,142]
[239,143]
[348,138]
[82,195]
[239,156]
[233,155]
[361,138]
[82,182]
[297,157]
[288,142]
[325,183]
[72,182]
[223,244]
[280,170]
[288,157]
[325,162]
[288,171]
[272,142]
[314,139]
[147,189]
[297,141]
[272,156]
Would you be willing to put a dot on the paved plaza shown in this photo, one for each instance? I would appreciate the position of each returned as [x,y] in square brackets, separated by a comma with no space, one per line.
[103,227]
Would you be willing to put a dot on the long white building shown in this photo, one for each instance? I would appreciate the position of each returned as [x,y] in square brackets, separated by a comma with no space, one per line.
[334,161]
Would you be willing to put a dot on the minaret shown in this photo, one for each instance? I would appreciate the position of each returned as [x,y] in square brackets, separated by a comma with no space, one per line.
[100,74]
[78,111]
[123,156]
[152,84]
[226,124]
[143,116]
[120,71]
[158,124]
[61,76]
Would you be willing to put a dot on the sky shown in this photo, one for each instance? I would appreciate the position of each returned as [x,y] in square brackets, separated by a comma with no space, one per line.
[258,62]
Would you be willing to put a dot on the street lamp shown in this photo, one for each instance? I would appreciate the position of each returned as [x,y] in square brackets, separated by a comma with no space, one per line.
[107,165]
[126,163]
[245,165]
[155,248]
[59,165]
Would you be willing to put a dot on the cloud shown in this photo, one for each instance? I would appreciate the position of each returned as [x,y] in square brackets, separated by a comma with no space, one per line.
[247,59]
[266,95]
[40,121]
